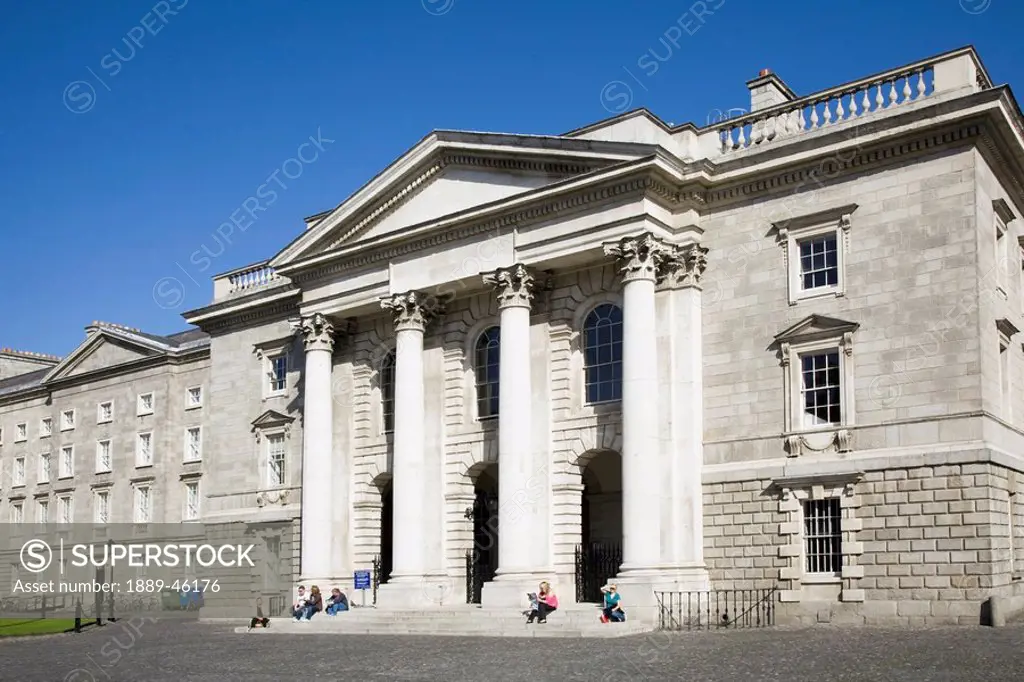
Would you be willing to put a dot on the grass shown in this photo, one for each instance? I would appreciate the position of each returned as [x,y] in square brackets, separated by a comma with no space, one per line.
[17,627]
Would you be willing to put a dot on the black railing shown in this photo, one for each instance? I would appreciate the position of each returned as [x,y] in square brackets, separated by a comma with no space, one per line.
[375,580]
[478,571]
[596,564]
[716,609]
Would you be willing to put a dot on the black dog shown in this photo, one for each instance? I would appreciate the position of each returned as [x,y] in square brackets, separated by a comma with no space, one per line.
[258,622]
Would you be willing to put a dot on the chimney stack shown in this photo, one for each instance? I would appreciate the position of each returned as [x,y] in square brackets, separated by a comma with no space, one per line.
[767,90]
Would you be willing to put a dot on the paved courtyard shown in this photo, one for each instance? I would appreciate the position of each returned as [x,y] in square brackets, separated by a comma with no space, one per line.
[189,651]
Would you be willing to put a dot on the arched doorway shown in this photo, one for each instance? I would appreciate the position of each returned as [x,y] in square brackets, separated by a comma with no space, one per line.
[384,561]
[482,559]
[599,555]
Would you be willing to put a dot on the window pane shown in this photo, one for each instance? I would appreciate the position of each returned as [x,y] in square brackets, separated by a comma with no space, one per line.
[602,353]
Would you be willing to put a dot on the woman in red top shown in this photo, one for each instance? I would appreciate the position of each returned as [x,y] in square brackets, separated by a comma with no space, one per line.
[546,603]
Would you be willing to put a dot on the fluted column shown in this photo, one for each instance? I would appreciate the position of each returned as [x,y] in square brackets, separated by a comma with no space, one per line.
[317,445]
[517,511]
[641,259]
[411,312]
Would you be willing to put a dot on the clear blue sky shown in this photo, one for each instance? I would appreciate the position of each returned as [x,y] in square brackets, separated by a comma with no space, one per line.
[96,207]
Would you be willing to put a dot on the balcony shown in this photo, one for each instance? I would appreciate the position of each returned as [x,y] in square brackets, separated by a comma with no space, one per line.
[246,280]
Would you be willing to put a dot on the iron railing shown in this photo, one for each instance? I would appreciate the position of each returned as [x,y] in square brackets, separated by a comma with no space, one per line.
[716,609]
[596,564]
[375,582]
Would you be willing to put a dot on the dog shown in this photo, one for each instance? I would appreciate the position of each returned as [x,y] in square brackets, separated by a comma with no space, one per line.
[258,622]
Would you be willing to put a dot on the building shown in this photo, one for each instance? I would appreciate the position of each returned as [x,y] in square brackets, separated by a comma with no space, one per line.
[777,351]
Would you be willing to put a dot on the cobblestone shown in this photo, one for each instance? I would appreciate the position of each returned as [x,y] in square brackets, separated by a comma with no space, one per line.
[137,650]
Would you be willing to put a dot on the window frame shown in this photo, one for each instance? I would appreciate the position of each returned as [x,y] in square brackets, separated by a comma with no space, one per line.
[137,489]
[100,419]
[140,409]
[584,347]
[800,229]
[66,503]
[387,389]
[185,453]
[818,577]
[23,461]
[45,467]
[41,504]
[48,422]
[198,506]
[98,494]
[18,505]
[63,414]
[270,373]
[70,472]
[269,437]
[188,397]
[139,463]
[492,399]
[21,432]
[110,456]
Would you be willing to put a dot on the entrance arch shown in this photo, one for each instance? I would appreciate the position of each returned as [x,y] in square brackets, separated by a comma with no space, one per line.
[599,555]
[385,559]
[482,559]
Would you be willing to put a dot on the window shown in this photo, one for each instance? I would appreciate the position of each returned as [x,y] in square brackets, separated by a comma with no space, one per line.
[44,467]
[102,456]
[193,397]
[486,368]
[102,509]
[17,511]
[1005,330]
[65,513]
[43,511]
[144,449]
[386,380]
[45,427]
[191,512]
[193,444]
[602,353]
[278,373]
[20,433]
[66,468]
[814,249]
[143,504]
[275,459]
[822,536]
[144,404]
[18,475]
[1002,256]
[105,412]
[820,390]
[67,420]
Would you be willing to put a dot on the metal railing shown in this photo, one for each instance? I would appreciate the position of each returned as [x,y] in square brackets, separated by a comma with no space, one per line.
[717,609]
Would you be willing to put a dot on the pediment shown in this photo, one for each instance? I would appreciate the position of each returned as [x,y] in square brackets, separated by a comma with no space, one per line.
[271,419]
[100,351]
[814,328]
[446,174]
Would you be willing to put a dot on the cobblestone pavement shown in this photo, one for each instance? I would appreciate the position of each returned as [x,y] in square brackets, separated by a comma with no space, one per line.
[146,650]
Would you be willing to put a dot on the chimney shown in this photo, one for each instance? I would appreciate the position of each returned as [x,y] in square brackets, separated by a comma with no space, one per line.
[767,90]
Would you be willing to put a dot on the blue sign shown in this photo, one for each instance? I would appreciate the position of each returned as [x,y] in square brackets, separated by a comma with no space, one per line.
[362,580]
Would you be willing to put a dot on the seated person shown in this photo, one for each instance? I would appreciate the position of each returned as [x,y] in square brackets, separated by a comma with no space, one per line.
[314,604]
[299,605]
[337,603]
[612,609]
[546,602]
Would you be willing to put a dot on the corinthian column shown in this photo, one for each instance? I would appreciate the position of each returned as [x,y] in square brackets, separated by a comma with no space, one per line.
[641,259]
[317,445]
[517,512]
[410,484]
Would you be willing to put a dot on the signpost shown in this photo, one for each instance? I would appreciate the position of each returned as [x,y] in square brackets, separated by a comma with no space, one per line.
[361,580]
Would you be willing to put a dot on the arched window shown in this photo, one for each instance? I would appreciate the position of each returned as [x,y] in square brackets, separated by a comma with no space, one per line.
[486,367]
[602,353]
[386,380]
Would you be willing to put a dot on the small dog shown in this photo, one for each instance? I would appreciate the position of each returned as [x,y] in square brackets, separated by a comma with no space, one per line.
[259,622]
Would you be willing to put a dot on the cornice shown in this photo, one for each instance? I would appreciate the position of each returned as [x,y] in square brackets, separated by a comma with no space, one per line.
[439,162]
[257,313]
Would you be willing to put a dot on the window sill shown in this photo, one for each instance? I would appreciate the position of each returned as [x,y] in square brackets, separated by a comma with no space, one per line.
[193,407]
[144,466]
[101,422]
[66,428]
[103,471]
[821,292]
[21,440]
[820,579]
[197,460]
[45,435]
[144,414]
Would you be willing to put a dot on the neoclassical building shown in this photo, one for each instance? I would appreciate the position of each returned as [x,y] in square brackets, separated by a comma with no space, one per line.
[779,351]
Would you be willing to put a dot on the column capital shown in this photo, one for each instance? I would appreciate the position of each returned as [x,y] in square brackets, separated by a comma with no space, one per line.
[643,257]
[515,285]
[412,310]
[689,265]
[317,332]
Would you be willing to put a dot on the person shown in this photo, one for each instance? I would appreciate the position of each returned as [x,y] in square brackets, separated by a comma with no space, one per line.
[612,611]
[337,603]
[299,605]
[547,602]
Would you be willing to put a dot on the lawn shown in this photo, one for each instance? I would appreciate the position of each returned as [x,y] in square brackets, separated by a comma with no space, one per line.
[16,627]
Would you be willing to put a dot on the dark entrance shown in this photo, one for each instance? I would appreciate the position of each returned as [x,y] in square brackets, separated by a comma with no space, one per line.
[382,563]
[482,559]
[599,554]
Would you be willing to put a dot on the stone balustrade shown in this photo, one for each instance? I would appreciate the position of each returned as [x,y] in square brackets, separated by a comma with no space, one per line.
[865,97]
[246,280]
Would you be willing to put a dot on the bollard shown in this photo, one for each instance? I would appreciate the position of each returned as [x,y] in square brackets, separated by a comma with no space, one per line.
[78,616]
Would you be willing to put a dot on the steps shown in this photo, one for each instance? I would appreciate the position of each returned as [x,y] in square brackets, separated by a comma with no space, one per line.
[457,621]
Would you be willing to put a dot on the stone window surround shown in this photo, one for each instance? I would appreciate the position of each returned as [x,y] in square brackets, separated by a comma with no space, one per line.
[100,419]
[96,494]
[797,437]
[45,427]
[65,501]
[137,487]
[471,411]
[139,464]
[110,452]
[1006,331]
[63,422]
[21,432]
[68,472]
[792,492]
[266,353]
[186,484]
[189,405]
[792,232]
[264,456]
[1002,223]
[45,458]
[19,481]
[140,409]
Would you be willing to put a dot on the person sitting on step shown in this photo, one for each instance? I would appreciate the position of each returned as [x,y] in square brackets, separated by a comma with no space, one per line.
[337,603]
[314,604]
[612,610]
[299,605]
[546,603]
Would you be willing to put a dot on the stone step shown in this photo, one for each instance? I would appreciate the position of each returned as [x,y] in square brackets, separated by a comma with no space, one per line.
[465,628]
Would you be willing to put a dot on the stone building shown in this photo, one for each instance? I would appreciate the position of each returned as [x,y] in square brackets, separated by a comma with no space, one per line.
[777,351]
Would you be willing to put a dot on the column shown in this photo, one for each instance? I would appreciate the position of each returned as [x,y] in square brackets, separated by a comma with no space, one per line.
[641,259]
[409,484]
[517,508]
[317,445]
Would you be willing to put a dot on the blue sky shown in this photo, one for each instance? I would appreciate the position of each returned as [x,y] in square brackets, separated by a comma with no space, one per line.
[130,131]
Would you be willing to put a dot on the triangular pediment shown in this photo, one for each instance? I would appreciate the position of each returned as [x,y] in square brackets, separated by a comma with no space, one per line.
[815,327]
[446,174]
[270,419]
[101,351]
